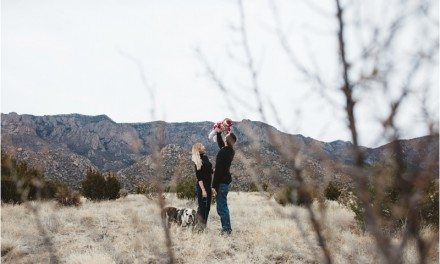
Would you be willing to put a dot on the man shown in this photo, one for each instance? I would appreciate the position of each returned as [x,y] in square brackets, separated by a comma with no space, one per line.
[222,178]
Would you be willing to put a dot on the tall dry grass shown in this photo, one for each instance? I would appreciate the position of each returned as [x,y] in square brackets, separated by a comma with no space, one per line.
[129,230]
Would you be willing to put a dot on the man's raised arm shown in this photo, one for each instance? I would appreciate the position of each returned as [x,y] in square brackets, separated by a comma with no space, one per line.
[220,142]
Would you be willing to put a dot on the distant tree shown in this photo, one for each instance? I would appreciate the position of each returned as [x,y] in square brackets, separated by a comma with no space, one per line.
[97,186]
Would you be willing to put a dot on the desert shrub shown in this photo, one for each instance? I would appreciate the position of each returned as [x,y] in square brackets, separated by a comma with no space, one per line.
[185,188]
[291,195]
[97,186]
[332,191]
[123,193]
[67,197]
[93,187]
[112,187]
[19,182]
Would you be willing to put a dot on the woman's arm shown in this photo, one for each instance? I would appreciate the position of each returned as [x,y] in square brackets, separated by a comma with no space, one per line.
[204,194]
[198,173]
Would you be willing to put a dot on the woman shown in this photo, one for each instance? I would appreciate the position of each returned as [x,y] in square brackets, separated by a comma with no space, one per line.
[203,186]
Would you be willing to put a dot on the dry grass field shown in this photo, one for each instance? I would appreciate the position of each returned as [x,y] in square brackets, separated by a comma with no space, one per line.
[129,230]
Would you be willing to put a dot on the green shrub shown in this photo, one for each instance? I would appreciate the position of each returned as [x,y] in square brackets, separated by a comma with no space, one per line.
[93,187]
[332,192]
[97,186]
[185,188]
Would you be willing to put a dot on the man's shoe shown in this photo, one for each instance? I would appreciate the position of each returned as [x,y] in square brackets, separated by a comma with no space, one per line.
[226,232]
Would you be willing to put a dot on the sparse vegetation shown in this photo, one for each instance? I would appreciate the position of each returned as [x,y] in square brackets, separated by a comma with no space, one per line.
[386,201]
[262,235]
[20,183]
[292,195]
[148,189]
[51,188]
[67,197]
[372,64]
[430,204]
[142,188]
[252,187]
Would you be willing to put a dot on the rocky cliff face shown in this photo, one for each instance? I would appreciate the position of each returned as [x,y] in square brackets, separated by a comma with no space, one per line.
[64,146]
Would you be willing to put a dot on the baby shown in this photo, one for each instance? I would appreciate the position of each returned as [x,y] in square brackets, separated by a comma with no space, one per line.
[222,126]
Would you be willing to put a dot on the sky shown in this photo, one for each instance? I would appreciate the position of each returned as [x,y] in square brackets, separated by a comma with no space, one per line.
[124,58]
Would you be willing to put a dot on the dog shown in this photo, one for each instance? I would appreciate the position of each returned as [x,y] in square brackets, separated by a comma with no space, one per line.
[184,217]
[188,217]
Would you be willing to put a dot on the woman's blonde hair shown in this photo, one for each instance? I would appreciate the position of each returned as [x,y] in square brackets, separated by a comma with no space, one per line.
[196,151]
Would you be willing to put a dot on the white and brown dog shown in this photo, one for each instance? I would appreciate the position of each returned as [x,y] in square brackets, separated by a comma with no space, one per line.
[183,217]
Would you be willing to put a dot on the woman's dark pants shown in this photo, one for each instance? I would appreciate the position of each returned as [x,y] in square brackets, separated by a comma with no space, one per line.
[204,205]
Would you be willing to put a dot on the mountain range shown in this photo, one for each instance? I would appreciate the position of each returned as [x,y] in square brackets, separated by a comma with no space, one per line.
[64,146]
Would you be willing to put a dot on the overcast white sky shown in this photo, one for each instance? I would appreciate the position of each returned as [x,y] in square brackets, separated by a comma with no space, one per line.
[62,56]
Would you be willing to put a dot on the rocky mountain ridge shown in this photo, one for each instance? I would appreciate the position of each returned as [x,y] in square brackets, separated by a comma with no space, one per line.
[64,146]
